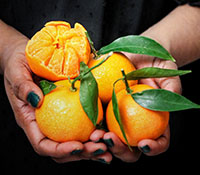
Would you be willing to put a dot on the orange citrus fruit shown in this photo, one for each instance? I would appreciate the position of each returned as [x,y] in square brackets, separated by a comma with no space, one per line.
[61,116]
[138,122]
[108,72]
[55,52]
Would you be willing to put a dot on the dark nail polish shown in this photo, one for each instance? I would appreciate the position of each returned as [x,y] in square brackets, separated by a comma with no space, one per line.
[109,142]
[102,161]
[33,99]
[98,152]
[145,149]
[76,151]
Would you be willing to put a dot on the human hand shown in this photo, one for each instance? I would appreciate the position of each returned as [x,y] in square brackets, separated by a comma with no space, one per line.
[169,83]
[147,146]
[24,96]
[120,150]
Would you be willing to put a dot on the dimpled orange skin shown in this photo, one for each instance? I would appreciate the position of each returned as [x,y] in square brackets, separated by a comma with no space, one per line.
[61,116]
[55,52]
[107,73]
[139,123]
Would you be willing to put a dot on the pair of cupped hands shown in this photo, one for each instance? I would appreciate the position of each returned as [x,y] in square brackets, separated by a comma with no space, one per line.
[24,96]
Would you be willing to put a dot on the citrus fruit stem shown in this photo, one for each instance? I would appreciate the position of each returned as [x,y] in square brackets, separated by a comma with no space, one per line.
[73,88]
[91,45]
[129,91]
[100,62]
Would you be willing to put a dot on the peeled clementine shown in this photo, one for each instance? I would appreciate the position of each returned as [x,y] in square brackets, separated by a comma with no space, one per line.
[61,116]
[108,72]
[138,122]
[55,52]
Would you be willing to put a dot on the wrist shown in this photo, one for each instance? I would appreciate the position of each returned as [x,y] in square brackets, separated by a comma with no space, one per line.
[159,37]
[11,39]
[153,34]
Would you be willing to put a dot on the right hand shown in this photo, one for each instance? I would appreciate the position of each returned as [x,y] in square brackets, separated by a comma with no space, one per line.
[24,96]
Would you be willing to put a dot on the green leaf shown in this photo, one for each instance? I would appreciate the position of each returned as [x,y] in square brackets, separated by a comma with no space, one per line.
[118,117]
[163,100]
[153,72]
[47,86]
[89,93]
[138,45]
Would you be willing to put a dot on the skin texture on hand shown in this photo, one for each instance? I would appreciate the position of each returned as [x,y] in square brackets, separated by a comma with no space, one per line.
[167,32]
[147,146]
[24,95]
[21,90]
[179,33]
[182,23]
[19,84]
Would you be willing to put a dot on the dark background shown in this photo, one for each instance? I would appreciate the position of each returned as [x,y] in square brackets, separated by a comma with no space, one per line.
[17,155]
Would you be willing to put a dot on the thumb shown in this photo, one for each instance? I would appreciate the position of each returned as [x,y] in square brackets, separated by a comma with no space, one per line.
[170,83]
[27,91]
[23,86]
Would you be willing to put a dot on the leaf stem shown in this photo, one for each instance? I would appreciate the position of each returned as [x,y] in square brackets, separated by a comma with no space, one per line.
[126,82]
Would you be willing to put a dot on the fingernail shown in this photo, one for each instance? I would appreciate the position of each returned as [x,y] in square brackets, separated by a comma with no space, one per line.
[109,142]
[102,161]
[145,149]
[33,99]
[98,152]
[76,151]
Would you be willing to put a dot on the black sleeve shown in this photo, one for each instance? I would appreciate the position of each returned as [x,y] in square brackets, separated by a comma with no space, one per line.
[190,2]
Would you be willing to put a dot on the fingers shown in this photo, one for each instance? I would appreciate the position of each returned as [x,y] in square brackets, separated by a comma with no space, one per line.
[67,151]
[97,135]
[155,147]
[115,145]
[28,92]
[119,149]
[169,83]
[172,84]
[147,146]
[97,152]
[47,147]
[21,81]
[91,151]
[96,138]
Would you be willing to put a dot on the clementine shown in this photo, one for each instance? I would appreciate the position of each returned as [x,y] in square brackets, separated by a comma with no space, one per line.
[138,122]
[61,116]
[55,52]
[108,72]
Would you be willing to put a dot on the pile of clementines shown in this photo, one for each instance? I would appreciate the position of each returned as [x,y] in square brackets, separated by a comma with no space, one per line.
[55,53]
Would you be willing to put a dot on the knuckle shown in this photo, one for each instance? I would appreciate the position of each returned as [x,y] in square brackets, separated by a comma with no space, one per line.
[37,149]
[58,160]
[132,157]
[17,87]
[163,144]
[132,160]
[118,152]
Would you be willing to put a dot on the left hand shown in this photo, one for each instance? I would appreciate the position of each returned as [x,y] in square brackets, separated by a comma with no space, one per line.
[147,146]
